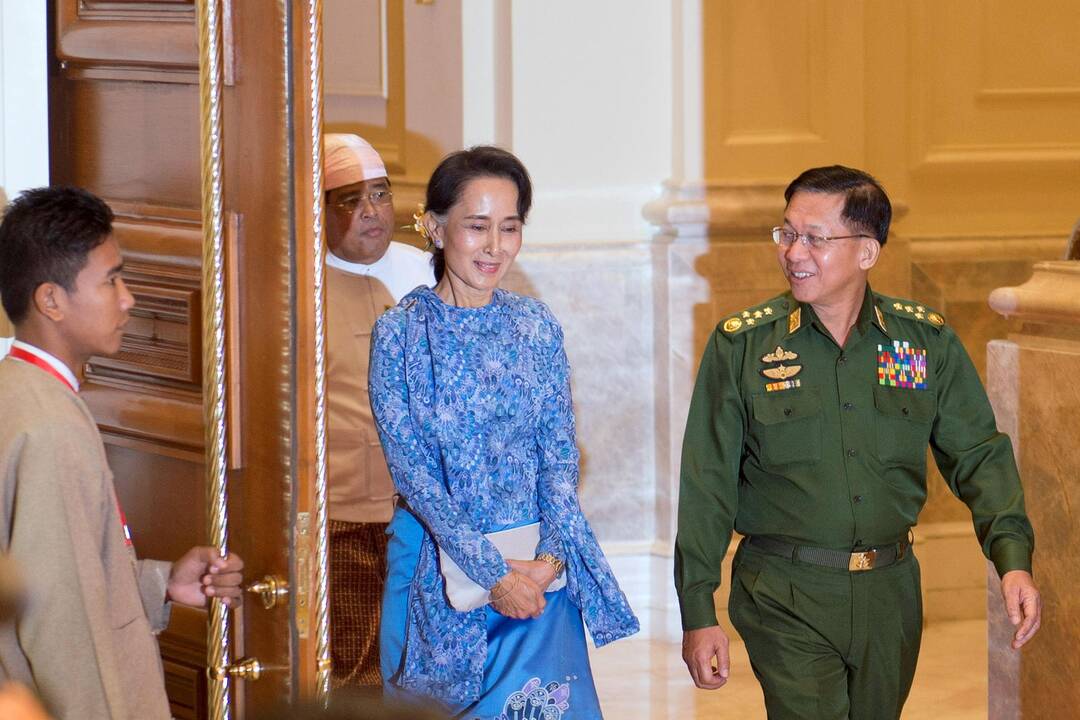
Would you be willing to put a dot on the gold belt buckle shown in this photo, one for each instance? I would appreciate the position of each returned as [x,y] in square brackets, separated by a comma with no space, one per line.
[862,561]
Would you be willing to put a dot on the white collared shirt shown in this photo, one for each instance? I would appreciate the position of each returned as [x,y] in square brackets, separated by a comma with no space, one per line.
[5,345]
[401,269]
[52,360]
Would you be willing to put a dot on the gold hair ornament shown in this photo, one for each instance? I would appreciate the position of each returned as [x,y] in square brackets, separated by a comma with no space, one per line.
[418,223]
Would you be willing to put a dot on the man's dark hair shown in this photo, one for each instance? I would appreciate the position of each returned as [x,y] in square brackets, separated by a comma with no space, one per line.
[866,206]
[458,168]
[45,236]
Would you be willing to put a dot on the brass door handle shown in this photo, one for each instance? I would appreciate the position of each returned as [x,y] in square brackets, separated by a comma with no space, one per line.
[243,669]
[272,589]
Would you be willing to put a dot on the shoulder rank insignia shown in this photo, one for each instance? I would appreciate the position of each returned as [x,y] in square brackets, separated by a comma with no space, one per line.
[902,366]
[794,321]
[751,317]
[909,309]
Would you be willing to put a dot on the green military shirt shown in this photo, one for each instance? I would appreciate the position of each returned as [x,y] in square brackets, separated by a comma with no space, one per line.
[792,436]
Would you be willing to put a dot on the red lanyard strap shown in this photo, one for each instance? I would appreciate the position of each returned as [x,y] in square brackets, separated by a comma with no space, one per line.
[29,357]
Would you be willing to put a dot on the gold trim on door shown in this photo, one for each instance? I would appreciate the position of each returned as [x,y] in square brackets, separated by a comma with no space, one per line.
[213,299]
[322,551]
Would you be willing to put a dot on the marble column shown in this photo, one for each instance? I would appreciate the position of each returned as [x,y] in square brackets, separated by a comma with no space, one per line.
[1033,384]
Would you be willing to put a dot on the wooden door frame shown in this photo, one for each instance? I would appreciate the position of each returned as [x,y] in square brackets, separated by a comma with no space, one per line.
[124,123]
[298,96]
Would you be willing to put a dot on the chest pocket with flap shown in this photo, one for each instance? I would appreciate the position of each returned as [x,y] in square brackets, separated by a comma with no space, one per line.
[787,426]
[904,419]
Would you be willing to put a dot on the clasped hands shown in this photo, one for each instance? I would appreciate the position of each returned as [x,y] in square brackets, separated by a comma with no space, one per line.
[520,593]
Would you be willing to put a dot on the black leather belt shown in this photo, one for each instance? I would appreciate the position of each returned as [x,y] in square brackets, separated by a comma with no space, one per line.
[853,561]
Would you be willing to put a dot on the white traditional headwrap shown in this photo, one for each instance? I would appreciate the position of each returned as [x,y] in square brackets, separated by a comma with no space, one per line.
[349,159]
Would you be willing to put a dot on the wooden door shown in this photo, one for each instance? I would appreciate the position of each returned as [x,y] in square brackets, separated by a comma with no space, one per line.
[126,114]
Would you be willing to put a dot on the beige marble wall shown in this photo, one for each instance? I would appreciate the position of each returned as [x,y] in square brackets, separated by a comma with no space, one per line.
[956,275]
[601,293]
[1035,398]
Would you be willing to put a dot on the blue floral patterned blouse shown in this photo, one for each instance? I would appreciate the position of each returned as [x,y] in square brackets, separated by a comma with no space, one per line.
[474,412]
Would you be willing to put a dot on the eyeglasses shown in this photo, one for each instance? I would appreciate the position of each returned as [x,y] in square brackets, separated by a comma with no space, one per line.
[786,238]
[377,197]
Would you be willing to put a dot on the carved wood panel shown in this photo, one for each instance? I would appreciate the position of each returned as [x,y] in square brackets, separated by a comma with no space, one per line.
[365,81]
[783,88]
[147,40]
[125,124]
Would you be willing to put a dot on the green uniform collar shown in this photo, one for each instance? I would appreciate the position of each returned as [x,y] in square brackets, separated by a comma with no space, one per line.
[869,314]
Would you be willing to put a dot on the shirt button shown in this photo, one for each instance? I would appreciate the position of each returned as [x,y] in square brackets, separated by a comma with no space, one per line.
[849,406]
[858,498]
[905,411]
[842,360]
[851,452]
[787,411]
[858,542]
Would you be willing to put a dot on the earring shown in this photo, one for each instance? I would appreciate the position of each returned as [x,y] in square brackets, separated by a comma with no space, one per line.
[438,244]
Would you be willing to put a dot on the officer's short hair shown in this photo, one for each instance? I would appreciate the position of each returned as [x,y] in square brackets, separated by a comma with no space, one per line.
[46,235]
[866,206]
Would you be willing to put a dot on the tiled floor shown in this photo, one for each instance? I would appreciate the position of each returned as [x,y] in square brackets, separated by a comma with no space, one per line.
[644,677]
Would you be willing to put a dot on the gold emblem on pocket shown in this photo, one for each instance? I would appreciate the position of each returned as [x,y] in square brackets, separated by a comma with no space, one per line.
[781,372]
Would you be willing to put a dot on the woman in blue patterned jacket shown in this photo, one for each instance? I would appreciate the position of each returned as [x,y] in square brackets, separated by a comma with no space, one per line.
[470,388]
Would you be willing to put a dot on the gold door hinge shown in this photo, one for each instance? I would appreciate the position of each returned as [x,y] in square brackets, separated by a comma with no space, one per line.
[303,545]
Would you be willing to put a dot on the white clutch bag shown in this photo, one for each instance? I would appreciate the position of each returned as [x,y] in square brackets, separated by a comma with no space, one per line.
[514,544]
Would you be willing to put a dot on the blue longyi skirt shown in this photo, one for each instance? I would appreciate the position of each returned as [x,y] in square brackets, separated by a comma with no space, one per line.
[536,668]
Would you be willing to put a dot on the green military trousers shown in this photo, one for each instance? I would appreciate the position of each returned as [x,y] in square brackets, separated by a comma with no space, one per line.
[825,643]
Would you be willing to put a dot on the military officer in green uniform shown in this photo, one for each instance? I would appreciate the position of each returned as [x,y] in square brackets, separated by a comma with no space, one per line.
[807,434]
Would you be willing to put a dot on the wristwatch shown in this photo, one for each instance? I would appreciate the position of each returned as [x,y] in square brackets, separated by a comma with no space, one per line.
[554,562]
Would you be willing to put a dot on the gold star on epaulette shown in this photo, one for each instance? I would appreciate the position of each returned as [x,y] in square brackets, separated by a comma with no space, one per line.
[758,314]
[746,313]
[918,312]
[750,321]
[768,311]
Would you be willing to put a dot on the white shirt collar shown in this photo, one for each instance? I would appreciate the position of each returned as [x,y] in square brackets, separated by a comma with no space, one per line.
[55,362]
[357,268]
